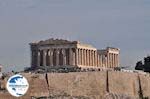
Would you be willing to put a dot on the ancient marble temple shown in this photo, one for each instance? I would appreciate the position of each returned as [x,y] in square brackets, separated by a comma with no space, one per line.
[58,52]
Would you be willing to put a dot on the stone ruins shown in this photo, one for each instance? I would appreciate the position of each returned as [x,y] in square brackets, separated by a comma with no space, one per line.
[59,52]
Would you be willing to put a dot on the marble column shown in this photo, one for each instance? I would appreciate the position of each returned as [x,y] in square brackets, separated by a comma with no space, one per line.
[67,56]
[94,63]
[96,58]
[90,58]
[117,60]
[38,59]
[57,57]
[76,57]
[47,57]
[108,60]
[100,60]
[73,57]
[64,57]
[44,57]
[87,59]
[93,58]
[113,60]
[105,61]
[102,56]
[60,56]
[70,56]
[51,57]
[84,56]
[82,62]
[79,57]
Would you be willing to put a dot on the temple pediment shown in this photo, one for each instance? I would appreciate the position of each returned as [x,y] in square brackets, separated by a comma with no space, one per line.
[55,41]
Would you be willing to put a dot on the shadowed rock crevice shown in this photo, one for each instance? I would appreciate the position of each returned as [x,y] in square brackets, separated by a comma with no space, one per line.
[107,82]
[140,92]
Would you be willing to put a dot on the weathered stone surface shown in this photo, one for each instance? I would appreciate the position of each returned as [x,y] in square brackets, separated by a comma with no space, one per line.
[85,85]
[145,84]
[37,85]
[123,83]
[55,41]
[79,84]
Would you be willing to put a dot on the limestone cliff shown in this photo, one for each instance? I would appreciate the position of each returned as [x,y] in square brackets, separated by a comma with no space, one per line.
[86,85]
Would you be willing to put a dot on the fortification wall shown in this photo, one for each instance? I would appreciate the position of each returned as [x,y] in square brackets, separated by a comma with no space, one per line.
[145,84]
[88,84]
[93,85]
[123,83]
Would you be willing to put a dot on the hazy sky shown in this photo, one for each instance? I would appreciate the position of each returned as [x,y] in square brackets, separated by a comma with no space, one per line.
[124,24]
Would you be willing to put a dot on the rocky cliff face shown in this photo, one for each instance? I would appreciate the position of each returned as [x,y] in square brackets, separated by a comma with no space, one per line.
[86,85]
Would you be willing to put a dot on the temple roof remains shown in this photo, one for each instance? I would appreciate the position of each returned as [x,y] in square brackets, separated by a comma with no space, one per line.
[55,41]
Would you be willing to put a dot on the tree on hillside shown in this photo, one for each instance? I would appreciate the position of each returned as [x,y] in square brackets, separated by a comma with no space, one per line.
[139,66]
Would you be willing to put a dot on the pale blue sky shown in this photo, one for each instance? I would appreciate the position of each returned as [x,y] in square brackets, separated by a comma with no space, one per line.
[118,23]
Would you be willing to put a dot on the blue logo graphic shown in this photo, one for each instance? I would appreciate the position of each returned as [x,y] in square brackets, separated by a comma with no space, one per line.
[17,85]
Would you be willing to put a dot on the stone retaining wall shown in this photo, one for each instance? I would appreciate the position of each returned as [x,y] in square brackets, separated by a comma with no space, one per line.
[94,85]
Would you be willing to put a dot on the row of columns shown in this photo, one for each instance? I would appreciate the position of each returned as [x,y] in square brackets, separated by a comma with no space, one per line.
[74,57]
[55,57]
[109,60]
[86,57]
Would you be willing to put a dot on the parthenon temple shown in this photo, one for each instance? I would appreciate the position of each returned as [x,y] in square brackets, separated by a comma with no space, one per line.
[59,52]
